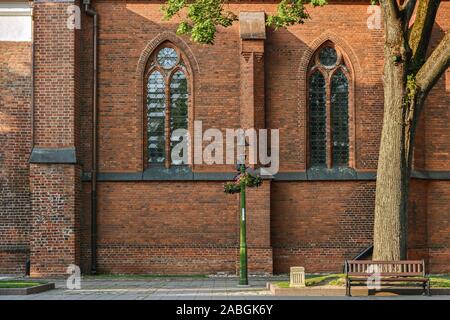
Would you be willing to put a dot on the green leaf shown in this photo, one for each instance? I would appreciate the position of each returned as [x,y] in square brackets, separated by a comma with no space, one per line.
[290,12]
[204,16]
[184,28]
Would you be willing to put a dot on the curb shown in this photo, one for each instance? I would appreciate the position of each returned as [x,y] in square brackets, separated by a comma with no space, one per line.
[26,291]
[314,291]
[356,291]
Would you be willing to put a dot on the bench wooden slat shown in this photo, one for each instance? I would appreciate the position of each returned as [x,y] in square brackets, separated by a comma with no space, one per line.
[391,279]
[370,267]
[386,272]
[384,262]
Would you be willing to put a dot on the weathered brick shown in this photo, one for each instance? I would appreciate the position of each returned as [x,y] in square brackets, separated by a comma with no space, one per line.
[192,226]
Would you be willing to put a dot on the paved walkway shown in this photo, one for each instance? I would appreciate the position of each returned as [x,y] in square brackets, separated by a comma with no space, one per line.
[217,288]
[153,289]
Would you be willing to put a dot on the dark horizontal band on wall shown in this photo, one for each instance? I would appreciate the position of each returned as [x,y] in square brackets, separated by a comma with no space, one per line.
[315,174]
[186,174]
[351,174]
[14,248]
[162,174]
[53,155]
[431,175]
[176,246]
[326,174]
[55,1]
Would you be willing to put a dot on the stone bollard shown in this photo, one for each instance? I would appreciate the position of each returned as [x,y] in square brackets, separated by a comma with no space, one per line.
[297,277]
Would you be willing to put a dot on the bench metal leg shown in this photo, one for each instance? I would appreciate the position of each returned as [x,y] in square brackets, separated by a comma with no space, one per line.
[426,288]
[347,288]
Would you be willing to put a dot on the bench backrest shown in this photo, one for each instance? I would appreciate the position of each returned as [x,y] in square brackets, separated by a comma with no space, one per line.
[405,268]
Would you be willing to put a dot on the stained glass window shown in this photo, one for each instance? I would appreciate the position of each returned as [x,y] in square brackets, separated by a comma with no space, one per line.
[161,105]
[317,119]
[167,58]
[156,114]
[328,56]
[179,108]
[339,118]
[329,95]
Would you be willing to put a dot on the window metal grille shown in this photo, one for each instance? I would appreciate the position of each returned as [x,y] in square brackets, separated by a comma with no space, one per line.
[167,105]
[328,57]
[179,109]
[156,113]
[339,118]
[317,119]
[328,97]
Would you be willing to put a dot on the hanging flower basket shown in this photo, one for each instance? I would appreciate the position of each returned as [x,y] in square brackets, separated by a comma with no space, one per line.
[246,178]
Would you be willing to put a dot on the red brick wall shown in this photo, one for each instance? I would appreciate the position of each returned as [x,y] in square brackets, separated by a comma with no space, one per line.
[429,224]
[125,41]
[135,25]
[176,227]
[55,227]
[86,69]
[438,210]
[15,143]
[55,80]
[437,115]
[430,202]
[319,224]
[191,227]
[418,220]
[55,188]
[288,54]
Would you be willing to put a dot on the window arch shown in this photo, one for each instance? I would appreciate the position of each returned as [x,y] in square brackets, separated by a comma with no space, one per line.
[166,105]
[329,81]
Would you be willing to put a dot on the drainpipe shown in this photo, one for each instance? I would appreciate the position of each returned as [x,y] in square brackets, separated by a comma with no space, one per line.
[32,74]
[91,12]
[31,3]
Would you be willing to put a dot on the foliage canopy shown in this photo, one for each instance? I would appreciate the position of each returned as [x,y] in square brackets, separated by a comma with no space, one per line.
[200,18]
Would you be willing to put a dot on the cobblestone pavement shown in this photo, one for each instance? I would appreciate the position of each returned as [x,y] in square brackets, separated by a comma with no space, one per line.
[215,288]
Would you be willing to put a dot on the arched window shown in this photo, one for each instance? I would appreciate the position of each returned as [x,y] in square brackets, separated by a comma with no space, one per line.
[328,101]
[166,105]
[317,119]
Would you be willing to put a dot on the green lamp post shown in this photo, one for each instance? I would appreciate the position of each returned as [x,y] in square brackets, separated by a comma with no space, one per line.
[243,279]
[242,180]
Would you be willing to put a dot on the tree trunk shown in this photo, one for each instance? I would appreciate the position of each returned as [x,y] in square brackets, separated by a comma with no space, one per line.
[408,77]
[390,225]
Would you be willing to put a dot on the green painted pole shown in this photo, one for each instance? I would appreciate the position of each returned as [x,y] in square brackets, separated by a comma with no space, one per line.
[243,279]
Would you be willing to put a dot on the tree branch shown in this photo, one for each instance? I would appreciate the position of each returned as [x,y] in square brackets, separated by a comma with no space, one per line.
[407,8]
[420,33]
[390,9]
[435,66]
[393,26]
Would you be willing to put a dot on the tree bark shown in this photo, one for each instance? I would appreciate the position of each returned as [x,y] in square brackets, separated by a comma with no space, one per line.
[407,80]
[392,182]
[390,228]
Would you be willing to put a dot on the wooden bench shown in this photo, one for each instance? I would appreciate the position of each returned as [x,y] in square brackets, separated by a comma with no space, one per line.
[361,272]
